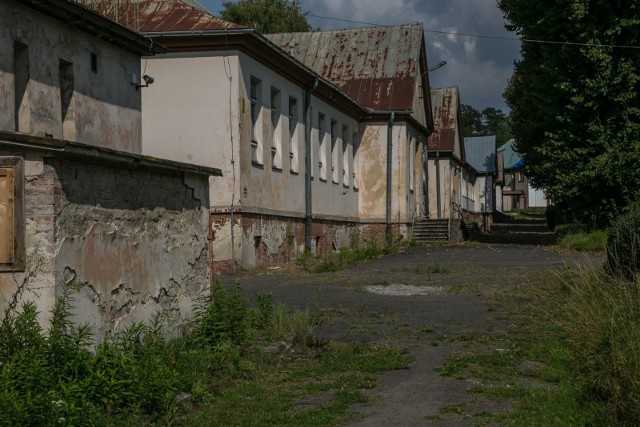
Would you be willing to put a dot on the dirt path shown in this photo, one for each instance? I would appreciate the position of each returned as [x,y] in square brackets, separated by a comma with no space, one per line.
[419,299]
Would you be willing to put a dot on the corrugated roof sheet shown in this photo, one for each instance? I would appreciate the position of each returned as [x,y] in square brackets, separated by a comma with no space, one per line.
[154,16]
[376,66]
[446,109]
[509,153]
[480,152]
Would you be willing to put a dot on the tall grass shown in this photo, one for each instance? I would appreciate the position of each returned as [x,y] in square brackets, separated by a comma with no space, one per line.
[600,317]
[339,260]
[593,241]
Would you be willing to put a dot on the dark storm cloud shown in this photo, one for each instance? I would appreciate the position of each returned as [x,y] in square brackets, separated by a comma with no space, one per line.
[480,67]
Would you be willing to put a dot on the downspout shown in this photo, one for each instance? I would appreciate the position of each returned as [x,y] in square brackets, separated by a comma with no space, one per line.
[439,202]
[307,166]
[389,169]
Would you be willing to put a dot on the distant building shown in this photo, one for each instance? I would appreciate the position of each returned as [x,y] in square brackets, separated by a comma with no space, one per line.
[481,155]
[448,171]
[514,191]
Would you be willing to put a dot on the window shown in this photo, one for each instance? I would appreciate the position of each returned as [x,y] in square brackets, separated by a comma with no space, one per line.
[335,160]
[256,104]
[21,69]
[293,136]
[276,145]
[94,62]
[356,160]
[346,156]
[520,176]
[412,163]
[322,148]
[12,254]
[66,95]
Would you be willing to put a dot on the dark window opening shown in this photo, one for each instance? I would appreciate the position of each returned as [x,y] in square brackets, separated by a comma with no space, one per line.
[94,62]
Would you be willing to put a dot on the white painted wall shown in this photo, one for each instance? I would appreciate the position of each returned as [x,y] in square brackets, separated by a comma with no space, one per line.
[537,198]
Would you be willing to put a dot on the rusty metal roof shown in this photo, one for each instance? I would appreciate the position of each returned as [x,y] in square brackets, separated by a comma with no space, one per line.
[156,16]
[376,66]
[446,119]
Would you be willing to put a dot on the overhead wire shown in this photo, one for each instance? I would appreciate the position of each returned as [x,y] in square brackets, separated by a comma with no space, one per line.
[480,36]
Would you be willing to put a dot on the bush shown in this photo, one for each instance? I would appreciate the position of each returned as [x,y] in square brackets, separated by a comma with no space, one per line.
[573,228]
[623,245]
[555,216]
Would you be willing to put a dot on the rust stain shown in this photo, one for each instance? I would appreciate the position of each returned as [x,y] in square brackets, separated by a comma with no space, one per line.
[148,16]
[446,107]
[376,66]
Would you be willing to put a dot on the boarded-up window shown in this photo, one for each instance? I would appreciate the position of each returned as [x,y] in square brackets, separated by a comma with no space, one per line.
[7,199]
[12,250]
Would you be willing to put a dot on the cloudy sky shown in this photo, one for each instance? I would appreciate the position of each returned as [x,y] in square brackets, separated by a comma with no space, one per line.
[479,67]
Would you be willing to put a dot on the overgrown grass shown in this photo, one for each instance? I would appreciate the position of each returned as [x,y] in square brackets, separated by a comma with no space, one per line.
[571,355]
[593,241]
[339,260]
[237,363]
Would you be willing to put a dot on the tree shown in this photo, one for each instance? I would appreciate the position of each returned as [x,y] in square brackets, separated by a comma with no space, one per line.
[471,121]
[574,108]
[267,16]
[490,121]
[497,123]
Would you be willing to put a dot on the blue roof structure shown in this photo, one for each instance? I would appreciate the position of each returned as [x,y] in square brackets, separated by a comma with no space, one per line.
[480,152]
[512,159]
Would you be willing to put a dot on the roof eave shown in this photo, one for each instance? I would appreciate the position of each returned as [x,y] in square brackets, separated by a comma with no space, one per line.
[93,23]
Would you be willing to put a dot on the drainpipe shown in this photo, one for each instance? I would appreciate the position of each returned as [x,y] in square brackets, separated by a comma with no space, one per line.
[389,177]
[438,184]
[307,165]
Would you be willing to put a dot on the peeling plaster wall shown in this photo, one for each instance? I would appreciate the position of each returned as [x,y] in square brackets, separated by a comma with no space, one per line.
[37,282]
[373,172]
[131,242]
[104,109]
[449,182]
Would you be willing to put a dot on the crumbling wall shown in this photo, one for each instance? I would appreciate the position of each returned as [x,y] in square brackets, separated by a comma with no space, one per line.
[130,242]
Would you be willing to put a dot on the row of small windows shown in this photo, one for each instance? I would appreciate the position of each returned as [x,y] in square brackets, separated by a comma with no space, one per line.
[343,161]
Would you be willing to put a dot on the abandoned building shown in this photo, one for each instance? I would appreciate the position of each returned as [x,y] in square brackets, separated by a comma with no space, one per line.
[80,205]
[480,152]
[514,192]
[258,107]
[446,155]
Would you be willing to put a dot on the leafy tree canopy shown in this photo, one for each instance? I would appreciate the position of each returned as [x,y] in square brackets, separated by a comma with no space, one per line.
[267,16]
[490,121]
[575,112]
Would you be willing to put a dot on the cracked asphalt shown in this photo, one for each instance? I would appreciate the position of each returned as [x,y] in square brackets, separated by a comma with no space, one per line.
[411,299]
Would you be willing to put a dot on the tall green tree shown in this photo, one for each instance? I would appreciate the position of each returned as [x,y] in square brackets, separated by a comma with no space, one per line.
[575,112]
[490,121]
[267,16]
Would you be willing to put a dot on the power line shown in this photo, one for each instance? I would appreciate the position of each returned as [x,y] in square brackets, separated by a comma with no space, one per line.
[479,36]
[483,36]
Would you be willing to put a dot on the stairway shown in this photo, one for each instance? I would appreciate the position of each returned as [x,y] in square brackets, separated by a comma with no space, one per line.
[431,230]
[529,231]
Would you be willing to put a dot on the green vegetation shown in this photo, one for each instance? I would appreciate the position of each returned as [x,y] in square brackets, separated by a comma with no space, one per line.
[490,121]
[574,110]
[593,241]
[225,371]
[623,245]
[267,16]
[339,260]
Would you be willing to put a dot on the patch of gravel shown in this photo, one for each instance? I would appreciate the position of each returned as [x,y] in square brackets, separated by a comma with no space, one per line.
[400,290]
